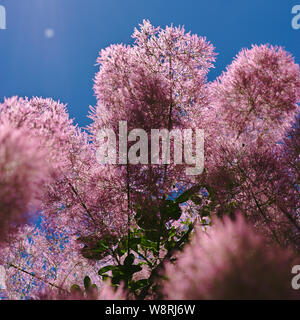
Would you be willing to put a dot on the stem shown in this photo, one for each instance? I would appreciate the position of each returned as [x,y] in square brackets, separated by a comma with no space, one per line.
[286,213]
[128,208]
[144,257]
[169,116]
[81,202]
[39,278]
[168,139]
[265,218]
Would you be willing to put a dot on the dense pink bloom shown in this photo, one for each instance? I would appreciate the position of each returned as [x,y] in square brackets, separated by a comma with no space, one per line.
[45,119]
[22,172]
[71,201]
[230,261]
[158,82]
[257,96]
[38,261]
[257,182]
[291,151]
[161,76]
[252,107]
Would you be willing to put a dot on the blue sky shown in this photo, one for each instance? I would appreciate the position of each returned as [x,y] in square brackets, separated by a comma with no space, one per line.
[50,47]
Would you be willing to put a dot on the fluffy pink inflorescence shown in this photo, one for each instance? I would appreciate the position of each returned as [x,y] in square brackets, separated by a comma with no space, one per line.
[159,82]
[67,154]
[161,76]
[22,172]
[291,151]
[230,261]
[70,157]
[257,96]
[45,119]
[38,261]
[252,107]
[258,182]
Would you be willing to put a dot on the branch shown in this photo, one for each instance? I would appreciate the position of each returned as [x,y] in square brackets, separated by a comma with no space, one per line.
[39,278]
[81,202]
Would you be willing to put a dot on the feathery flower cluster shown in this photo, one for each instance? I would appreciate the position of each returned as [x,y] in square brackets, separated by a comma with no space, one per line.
[22,172]
[46,120]
[230,261]
[257,96]
[38,261]
[158,82]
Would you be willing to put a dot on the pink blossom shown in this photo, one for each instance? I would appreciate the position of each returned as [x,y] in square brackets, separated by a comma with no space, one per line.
[22,171]
[158,82]
[230,261]
[257,96]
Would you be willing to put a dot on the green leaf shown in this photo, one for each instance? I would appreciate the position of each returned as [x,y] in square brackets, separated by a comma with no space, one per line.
[147,244]
[184,197]
[171,210]
[121,249]
[187,194]
[116,280]
[134,242]
[75,288]
[139,284]
[94,254]
[130,270]
[87,282]
[196,199]
[101,245]
[153,235]
[95,251]
[105,277]
[129,260]
[105,269]
[172,232]
[138,214]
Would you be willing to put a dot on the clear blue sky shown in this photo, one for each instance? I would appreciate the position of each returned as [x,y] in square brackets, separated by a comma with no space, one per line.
[60,62]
